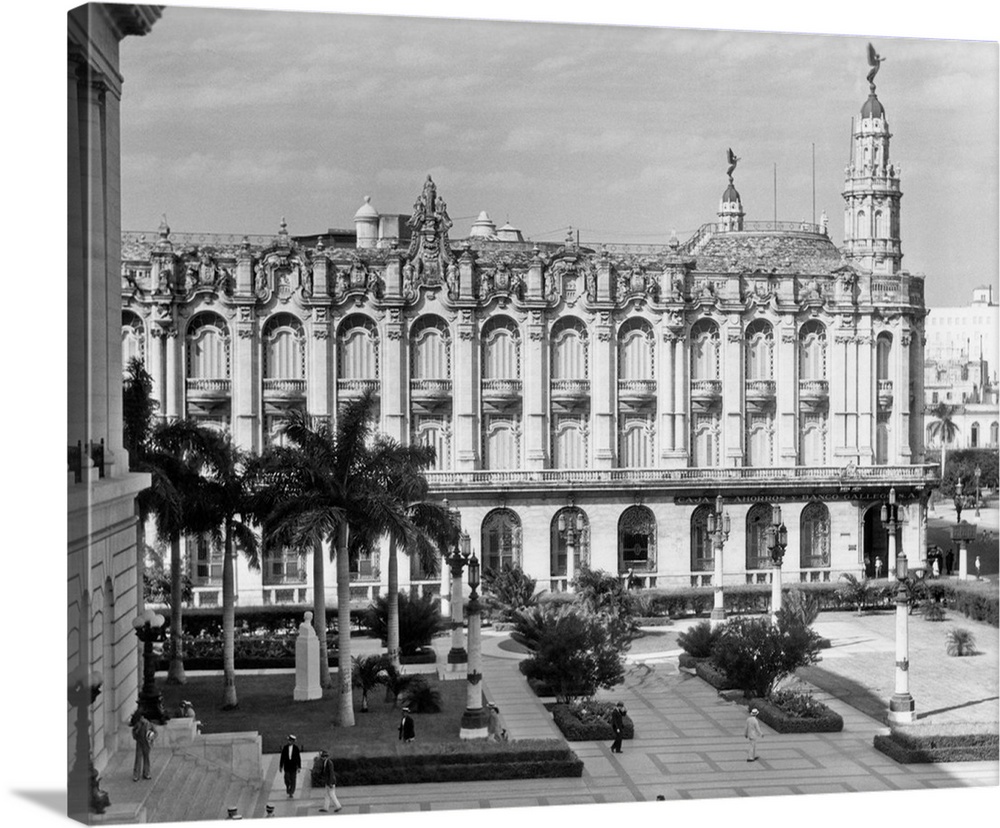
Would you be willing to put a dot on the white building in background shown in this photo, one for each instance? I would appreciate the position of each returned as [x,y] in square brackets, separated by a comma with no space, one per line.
[961,358]
[608,390]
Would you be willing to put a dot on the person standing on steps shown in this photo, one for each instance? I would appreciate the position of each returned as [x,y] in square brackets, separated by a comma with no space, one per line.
[144,733]
[618,726]
[329,778]
[752,733]
[290,764]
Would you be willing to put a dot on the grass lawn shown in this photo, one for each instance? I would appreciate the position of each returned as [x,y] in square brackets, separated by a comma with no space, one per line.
[266,706]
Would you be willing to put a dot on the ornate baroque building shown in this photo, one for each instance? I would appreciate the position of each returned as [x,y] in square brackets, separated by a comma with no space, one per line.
[587,403]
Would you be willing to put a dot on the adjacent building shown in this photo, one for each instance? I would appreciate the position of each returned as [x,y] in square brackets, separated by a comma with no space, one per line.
[588,402]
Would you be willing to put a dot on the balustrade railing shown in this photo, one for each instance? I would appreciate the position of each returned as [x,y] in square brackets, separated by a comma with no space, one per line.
[814,388]
[706,388]
[209,386]
[760,387]
[441,387]
[502,387]
[640,387]
[285,386]
[357,386]
[572,387]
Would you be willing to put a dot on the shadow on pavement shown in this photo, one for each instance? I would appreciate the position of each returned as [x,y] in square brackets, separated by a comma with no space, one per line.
[846,690]
[972,703]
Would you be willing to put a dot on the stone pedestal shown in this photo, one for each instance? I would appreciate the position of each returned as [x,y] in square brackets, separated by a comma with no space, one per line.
[307,686]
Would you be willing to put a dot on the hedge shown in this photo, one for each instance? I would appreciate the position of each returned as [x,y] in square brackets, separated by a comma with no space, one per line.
[466,761]
[265,620]
[596,727]
[947,744]
[777,719]
[713,675]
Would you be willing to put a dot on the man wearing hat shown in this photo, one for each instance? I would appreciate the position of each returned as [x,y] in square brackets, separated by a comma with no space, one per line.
[618,726]
[407,731]
[328,776]
[753,732]
[290,763]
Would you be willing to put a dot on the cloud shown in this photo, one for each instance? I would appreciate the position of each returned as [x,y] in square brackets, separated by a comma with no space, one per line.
[527,139]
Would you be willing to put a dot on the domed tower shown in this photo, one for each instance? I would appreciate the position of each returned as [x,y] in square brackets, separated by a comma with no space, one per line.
[730,207]
[366,224]
[871,189]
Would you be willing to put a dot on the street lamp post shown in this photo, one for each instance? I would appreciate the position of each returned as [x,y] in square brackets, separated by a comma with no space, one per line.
[978,473]
[475,720]
[457,656]
[718,530]
[901,706]
[570,527]
[84,793]
[149,629]
[959,500]
[777,542]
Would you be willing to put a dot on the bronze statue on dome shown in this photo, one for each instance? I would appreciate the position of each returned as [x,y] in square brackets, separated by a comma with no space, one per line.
[875,62]
[733,161]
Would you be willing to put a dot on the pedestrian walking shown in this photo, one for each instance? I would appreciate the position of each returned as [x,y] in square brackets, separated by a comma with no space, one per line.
[407,730]
[979,575]
[290,764]
[949,561]
[752,733]
[494,731]
[878,567]
[618,726]
[328,776]
[144,734]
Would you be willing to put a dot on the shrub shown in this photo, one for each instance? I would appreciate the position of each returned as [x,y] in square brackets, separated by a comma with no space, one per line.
[575,655]
[798,704]
[818,717]
[421,697]
[508,590]
[368,673]
[754,653]
[919,745]
[961,642]
[802,605]
[602,593]
[857,592]
[419,621]
[396,683]
[588,721]
[530,623]
[934,612]
[698,640]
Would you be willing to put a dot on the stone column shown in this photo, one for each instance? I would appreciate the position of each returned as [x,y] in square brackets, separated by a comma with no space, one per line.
[786,379]
[395,378]
[732,392]
[603,385]
[175,374]
[535,392]
[246,395]
[465,399]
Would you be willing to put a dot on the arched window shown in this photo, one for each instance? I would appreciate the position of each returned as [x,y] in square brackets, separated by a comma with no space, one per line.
[861,227]
[569,349]
[434,432]
[569,443]
[880,225]
[133,339]
[759,350]
[814,539]
[759,442]
[812,351]
[882,442]
[758,519]
[974,435]
[568,524]
[501,443]
[705,440]
[635,350]
[704,350]
[284,341]
[501,349]
[430,349]
[702,553]
[994,434]
[501,540]
[207,346]
[883,352]
[635,449]
[357,351]
[637,539]
[812,439]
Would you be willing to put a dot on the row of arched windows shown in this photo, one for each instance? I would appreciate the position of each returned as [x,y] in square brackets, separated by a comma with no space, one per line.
[208,341]
[501,540]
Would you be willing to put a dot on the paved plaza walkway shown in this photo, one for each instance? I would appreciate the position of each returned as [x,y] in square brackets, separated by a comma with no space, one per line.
[688,745]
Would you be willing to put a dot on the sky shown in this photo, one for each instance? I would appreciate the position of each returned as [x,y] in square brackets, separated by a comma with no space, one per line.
[233,119]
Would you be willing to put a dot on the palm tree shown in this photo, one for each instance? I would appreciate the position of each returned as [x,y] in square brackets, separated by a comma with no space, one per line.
[857,591]
[229,472]
[369,673]
[429,527]
[328,489]
[944,427]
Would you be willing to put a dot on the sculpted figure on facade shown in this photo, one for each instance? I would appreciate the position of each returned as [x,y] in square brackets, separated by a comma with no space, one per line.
[452,280]
[259,280]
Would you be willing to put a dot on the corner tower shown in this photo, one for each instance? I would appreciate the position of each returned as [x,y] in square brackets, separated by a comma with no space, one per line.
[730,207]
[871,189]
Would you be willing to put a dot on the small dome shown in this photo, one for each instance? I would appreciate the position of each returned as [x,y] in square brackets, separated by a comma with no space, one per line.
[872,108]
[366,211]
[731,195]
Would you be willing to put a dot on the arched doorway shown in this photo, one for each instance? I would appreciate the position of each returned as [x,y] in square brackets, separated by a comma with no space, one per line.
[875,544]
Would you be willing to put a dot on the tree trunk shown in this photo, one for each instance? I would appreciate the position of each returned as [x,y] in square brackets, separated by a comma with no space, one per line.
[229,700]
[175,672]
[392,637]
[319,612]
[344,629]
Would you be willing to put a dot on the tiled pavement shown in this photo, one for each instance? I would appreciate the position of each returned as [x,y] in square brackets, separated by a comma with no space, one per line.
[688,745]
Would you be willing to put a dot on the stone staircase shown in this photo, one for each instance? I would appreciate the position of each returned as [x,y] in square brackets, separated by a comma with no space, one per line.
[194,777]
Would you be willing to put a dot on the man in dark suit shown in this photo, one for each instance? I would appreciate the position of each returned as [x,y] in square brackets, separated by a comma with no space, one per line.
[618,726]
[290,763]
[407,731]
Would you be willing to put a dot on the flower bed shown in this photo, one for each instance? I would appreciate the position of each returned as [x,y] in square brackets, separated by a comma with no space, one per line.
[467,761]
[954,743]
[425,655]
[588,721]
[790,712]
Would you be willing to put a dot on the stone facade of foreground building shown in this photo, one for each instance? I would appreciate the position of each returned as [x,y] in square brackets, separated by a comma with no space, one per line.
[594,398]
